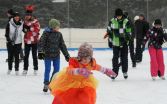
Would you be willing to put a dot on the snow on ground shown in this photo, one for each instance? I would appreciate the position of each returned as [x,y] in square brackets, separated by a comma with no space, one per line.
[137,89]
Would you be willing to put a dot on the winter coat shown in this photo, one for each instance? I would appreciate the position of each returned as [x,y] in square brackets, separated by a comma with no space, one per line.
[14,31]
[51,42]
[156,37]
[141,28]
[119,31]
[31,29]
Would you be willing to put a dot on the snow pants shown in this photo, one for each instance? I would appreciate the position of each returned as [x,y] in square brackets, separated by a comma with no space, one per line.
[156,61]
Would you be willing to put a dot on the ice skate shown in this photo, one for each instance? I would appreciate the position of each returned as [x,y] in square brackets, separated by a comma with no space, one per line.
[162,77]
[8,72]
[153,78]
[45,88]
[24,72]
[16,73]
[125,75]
[35,72]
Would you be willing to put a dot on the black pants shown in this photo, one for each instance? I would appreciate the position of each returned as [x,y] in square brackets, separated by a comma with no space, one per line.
[21,51]
[21,54]
[123,54]
[131,49]
[139,50]
[13,52]
[27,49]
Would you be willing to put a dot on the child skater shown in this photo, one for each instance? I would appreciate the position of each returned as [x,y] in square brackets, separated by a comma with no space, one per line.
[50,44]
[156,37]
[75,84]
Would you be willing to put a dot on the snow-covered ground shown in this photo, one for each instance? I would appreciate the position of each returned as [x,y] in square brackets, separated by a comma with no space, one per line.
[137,89]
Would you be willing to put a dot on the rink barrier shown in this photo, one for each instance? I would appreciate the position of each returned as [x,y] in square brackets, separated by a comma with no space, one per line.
[95,49]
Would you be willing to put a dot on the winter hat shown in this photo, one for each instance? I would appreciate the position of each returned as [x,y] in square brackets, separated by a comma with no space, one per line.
[53,23]
[136,18]
[10,11]
[29,9]
[85,50]
[118,12]
[126,13]
[157,22]
[16,14]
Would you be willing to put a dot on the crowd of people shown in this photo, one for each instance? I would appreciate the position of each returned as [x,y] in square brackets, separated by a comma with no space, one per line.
[75,83]
[122,31]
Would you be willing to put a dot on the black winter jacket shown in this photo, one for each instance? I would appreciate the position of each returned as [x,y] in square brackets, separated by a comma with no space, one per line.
[51,43]
[141,28]
[156,37]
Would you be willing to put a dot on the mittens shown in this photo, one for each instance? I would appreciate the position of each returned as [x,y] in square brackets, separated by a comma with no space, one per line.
[108,72]
[82,71]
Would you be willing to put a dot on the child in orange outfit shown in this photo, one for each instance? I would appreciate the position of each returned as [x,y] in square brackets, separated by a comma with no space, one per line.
[76,84]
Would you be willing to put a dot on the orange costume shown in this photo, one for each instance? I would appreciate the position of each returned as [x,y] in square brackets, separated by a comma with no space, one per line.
[68,88]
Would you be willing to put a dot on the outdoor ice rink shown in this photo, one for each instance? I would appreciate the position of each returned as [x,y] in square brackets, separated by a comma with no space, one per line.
[137,89]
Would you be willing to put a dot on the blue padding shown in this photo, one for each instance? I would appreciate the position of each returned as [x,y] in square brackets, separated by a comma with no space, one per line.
[73,49]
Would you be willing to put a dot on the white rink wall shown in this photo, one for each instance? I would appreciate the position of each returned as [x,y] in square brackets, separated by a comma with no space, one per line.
[73,37]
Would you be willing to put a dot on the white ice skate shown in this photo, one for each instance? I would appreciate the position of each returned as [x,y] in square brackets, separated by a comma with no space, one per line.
[162,77]
[35,72]
[8,72]
[16,73]
[24,72]
[153,78]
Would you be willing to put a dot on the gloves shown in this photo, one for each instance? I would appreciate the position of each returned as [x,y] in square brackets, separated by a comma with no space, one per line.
[82,71]
[67,58]
[41,55]
[108,72]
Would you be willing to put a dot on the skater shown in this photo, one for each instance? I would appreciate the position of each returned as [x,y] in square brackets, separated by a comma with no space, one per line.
[131,41]
[141,28]
[50,44]
[76,84]
[120,32]
[10,14]
[156,37]
[14,39]
[31,38]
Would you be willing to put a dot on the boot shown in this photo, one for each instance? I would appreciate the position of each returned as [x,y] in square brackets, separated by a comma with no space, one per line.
[125,75]
[45,88]
[134,64]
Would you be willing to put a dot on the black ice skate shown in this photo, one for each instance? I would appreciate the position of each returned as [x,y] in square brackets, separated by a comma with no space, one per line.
[45,88]
[125,75]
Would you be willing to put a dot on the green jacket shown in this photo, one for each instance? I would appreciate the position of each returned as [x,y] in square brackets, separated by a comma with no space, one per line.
[119,31]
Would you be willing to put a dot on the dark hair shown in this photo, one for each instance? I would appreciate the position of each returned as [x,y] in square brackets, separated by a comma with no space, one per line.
[11,12]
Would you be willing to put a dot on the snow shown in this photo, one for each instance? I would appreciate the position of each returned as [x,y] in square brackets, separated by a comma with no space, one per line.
[137,89]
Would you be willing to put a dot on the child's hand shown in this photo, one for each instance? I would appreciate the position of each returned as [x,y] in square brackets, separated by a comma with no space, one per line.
[84,72]
[108,72]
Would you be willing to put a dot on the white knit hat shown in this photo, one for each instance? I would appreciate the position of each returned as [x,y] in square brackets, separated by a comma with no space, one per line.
[136,18]
[85,50]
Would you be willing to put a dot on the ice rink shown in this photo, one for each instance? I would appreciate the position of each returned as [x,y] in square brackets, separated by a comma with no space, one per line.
[137,89]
